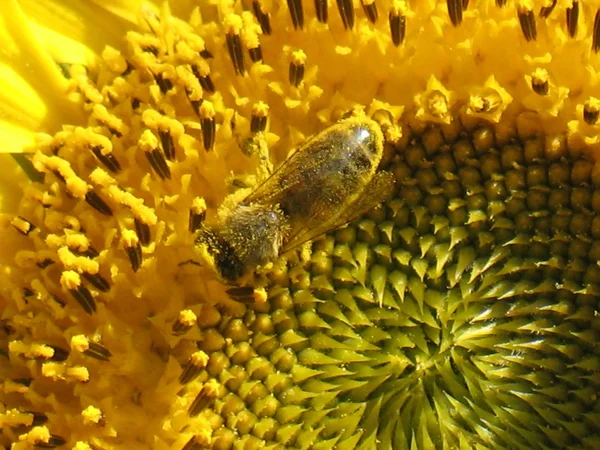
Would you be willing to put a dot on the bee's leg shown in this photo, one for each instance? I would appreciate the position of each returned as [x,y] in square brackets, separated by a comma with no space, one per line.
[197,214]
[265,168]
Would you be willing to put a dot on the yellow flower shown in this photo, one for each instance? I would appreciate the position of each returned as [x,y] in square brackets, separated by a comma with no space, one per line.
[460,314]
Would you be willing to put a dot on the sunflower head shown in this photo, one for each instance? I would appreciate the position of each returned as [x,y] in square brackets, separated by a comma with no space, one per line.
[461,313]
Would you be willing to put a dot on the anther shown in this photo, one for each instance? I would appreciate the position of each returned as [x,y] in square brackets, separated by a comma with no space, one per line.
[44,263]
[397,25]
[455,10]
[98,351]
[59,355]
[262,17]
[108,159]
[142,230]
[370,9]
[114,124]
[38,418]
[197,214]
[596,33]
[346,8]
[98,281]
[71,281]
[234,24]
[500,3]
[205,398]
[186,320]
[149,144]
[205,54]
[539,81]
[167,144]
[545,11]
[527,21]
[591,111]
[97,203]
[54,442]
[22,225]
[297,65]
[207,122]
[258,123]
[321,8]
[198,361]
[23,381]
[168,130]
[202,73]
[133,248]
[201,440]
[296,13]
[164,83]
[572,19]
[256,54]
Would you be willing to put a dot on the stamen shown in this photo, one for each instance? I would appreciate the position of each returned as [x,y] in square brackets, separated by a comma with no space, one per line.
[527,21]
[297,65]
[397,24]
[169,130]
[297,13]
[98,281]
[93,416]
[133,248]
[45,263]
[500,3]
[256,54]
[197,214]
[539,81]
[572,18]
[82,344]
[22,225]
[198,361]
[545,11]
[591,111]
[186,320]
[596,33]
[209,128]
[346,9]
[370,9]
[234,24]
[115,125]
[455,10]
[38,418]
[143,231]
[163,82]
[202,73]
[59,354]
[321,9]
[108,159]
[97,203]
[200,440]
[53,442]
[192,87]
[149,144]
[71,281]
[258,123]
[262,17]
[205,398]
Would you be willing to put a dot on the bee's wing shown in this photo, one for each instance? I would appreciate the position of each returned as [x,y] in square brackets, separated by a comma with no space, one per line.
[288,175]
[379,189]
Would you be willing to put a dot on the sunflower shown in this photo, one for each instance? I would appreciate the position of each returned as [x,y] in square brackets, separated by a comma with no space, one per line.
[462,313]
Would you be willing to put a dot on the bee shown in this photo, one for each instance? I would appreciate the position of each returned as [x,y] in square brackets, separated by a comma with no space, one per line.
[329,181]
